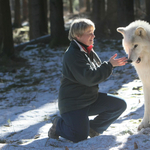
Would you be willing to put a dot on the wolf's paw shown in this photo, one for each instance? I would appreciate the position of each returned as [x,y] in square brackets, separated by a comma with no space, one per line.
[144,124]
[145,131]
[140,127]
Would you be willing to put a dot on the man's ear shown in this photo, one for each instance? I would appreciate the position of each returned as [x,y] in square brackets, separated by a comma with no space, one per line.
[78,37]
[140,32]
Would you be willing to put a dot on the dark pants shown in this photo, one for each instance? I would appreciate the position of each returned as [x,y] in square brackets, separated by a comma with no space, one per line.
[75,125]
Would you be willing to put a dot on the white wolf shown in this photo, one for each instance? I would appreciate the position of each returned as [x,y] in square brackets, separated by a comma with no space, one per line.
[136,43]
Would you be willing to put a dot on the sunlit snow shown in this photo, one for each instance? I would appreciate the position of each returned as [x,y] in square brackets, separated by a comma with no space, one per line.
[31,100]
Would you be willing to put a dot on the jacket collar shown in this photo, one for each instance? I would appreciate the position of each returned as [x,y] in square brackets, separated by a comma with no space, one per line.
[81,48]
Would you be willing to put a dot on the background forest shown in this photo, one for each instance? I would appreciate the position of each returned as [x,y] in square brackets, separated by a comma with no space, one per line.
[25,20]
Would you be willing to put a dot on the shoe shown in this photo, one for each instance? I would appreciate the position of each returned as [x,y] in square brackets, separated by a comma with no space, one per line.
[93,133]
[52,131]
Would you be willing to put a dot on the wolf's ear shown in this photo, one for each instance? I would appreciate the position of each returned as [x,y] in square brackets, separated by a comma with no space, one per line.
[140,32]
[121,30]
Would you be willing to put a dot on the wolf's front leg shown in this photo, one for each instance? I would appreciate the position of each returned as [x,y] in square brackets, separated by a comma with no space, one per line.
[145,123]
[146,119]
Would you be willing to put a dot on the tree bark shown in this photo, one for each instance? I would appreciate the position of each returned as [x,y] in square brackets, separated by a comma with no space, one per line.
[125,12]
[58,34]
[25,10]
[98,13]
[147,10]
[88,6]
[37,18]
[70,6]
[17,21]
[81,5]
[6,26]
[137,9]
[111,18]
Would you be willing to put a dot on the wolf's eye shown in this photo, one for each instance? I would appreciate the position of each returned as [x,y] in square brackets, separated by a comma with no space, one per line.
[135,46]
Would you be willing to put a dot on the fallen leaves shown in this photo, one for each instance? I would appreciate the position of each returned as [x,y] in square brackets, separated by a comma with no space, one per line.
[135,145]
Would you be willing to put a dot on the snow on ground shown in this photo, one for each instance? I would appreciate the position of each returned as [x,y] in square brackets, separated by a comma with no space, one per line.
[29,99]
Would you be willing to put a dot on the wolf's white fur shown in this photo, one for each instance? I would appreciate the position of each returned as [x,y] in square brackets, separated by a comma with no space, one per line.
[136,42]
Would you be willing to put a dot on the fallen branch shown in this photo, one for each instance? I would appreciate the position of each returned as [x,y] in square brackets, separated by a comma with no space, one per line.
[43,39]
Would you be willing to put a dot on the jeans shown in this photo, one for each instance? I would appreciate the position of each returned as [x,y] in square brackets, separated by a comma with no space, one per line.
[75,125]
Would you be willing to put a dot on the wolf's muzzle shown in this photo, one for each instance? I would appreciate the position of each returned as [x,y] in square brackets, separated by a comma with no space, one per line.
[129,61]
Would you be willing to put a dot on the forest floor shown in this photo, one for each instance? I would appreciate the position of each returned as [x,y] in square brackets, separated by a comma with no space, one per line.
[29,95]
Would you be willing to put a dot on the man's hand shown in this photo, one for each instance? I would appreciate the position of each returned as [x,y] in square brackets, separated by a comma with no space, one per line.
[117,62]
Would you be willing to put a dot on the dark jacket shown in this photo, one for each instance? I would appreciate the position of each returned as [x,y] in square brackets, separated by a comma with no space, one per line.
[81,76]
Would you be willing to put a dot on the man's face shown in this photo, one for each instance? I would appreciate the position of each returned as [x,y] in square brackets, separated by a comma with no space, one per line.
[88,37]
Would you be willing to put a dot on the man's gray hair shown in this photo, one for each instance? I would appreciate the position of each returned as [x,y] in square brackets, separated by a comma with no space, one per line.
[78,27]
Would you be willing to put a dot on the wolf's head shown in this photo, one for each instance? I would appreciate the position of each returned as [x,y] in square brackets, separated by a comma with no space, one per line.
[136,41]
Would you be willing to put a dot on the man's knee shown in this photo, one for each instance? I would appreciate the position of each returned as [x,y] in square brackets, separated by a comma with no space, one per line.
[124,105]
[80,136]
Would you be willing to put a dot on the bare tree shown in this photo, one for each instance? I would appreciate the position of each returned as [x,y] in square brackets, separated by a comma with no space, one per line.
[6,39]
[25,10]
[88,6]
[125,12]
[81,5]
[111,18]
[137,7]
[58,34]
[17,19]
[1,28]
[147,10]
[70,6]
[98,13]
[37,18]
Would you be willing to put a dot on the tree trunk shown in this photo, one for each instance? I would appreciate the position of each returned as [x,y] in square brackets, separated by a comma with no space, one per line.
[37,18]
[130,10]
[137,9]
[6,26]
[1,28]
[125,12]
[98,13]
[44,19]
[25,10]
[70,6]
[111,18]
[147,10]
[58,34]
[88,6]
[98,9]
[81,5]
[17,21]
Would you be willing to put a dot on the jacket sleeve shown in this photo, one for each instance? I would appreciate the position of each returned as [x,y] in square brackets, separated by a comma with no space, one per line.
[84,74]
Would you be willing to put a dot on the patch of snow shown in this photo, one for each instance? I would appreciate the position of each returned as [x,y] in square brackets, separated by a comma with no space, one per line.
[25,111]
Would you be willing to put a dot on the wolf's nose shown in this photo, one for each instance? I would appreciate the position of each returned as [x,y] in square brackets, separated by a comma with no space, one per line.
[129,61]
